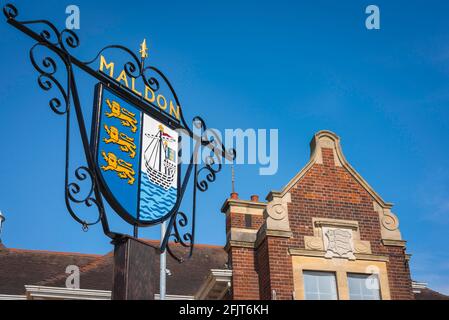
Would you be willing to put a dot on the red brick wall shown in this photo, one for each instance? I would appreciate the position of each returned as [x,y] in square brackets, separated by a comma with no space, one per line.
[329,191]
[237,220]
[399,275]
[263,269]
[325,191]
[245,280]
[280,276]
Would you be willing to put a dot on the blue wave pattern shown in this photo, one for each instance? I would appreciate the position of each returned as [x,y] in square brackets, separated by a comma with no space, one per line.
[155,202]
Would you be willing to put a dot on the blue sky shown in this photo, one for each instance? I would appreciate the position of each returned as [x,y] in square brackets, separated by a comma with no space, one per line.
[300,66]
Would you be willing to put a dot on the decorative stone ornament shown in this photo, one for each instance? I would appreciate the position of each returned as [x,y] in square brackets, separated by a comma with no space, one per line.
[277,209]
[338,243]
[276,213]
[389,223]
[321,238]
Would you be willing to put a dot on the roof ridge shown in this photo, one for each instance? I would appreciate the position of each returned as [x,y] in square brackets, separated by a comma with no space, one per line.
[85,268]
[200,245]
[68,253]
[99,256]
[102,258]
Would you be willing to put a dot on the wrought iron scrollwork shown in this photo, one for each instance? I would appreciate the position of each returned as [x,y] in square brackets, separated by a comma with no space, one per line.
[50,40]
[47,67]
[68,37]
[185,239]
[48,33]
[133,67]
[73,194]
[213,165]
[84,190]
[10,11]
[213,162]
[203,185]
[130,67]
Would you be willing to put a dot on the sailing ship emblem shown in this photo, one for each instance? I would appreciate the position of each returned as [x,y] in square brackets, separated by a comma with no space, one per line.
[136,157]
[160,159]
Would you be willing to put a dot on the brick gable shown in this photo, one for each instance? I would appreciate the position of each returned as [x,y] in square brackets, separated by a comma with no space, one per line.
[330,191]
[327,189]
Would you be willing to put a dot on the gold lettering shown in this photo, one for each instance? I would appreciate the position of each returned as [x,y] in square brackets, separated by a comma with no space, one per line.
[149,95]
[159,98]
[133,80]
[173,111]
[107,66]
[148,89]
[123,77]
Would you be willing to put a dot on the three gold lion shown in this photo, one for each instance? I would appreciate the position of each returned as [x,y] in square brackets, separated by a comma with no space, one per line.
[125,143]
[123,169]
[127,118]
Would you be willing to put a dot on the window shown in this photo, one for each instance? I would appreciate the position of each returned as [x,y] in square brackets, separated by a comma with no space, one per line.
[320,285]
[248,221]
[363,286]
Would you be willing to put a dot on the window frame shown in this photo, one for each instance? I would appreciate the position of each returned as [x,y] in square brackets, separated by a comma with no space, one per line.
[367,275]
[334,276]
[369,264]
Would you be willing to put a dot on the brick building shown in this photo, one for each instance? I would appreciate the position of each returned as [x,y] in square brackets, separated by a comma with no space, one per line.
[326,235]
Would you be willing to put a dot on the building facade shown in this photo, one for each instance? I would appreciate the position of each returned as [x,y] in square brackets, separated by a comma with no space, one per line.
[326,235]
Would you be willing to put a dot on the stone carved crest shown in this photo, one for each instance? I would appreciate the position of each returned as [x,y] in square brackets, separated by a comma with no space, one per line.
[338,243]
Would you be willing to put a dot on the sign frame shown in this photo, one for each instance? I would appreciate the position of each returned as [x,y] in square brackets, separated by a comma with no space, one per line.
[83,188]
[94,141]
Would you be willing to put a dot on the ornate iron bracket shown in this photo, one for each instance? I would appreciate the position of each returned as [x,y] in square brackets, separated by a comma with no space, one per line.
[55,47]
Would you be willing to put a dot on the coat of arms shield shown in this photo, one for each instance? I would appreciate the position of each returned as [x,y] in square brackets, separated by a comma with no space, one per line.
[136,158]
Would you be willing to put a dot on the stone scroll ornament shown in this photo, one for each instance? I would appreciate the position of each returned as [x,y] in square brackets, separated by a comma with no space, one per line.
[276,213]
[132,155]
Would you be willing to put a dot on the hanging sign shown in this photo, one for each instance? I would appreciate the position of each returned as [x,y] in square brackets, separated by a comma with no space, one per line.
[136,156]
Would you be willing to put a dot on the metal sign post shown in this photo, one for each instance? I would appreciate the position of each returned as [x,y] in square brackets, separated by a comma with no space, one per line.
[163,266]
[132,156]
